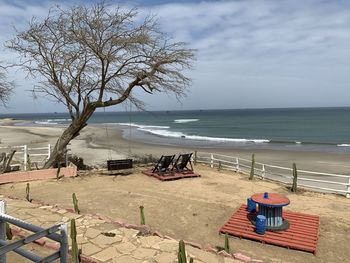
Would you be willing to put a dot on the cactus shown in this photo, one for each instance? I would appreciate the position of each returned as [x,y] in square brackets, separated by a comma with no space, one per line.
[29,163]
[252,167]
[295,178]
[182,252]
[73,236]
[8,232]
[75,203]
[227,244]
[142,215]
[28,193]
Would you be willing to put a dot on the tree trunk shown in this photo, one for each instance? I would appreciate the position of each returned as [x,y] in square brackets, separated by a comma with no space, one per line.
[69,134]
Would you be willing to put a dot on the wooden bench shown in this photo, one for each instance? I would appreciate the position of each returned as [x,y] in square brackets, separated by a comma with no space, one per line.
[119,164]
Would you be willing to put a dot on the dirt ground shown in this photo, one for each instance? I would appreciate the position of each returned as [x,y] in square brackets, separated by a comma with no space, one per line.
[12,257]
[194,209]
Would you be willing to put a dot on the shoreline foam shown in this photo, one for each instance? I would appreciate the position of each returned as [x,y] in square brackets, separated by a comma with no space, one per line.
[96,146]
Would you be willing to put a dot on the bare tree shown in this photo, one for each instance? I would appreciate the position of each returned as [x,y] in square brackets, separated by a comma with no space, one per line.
[6,88]
[93,57]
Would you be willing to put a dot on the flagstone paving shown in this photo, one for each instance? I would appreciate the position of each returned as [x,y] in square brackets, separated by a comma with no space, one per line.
[108,241]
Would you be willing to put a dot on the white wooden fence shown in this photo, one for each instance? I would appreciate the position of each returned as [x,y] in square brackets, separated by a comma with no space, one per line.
[324,182]
[37,155]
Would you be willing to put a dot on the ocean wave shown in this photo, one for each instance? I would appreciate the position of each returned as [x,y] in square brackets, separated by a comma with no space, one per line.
[167,133]
[45,122]
[218,139]
[143,126]
[344,145]
[185,120]
[164,133]
[298,142]
[50,120]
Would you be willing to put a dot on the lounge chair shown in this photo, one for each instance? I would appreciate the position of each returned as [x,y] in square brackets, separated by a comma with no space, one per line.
[163,164]
[181,164]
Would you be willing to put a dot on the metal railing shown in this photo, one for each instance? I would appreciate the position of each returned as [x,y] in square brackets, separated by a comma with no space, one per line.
[39,232]
[29,155]
[324,182]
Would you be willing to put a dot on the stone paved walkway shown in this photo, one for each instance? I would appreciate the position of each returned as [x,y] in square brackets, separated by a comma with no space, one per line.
[108,241]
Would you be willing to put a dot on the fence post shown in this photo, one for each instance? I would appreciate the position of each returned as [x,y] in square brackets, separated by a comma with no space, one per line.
[348,193]
[64,244]
[25,157]
[3,228]
[237,165]
[263,171]
[48,151]
[211,160]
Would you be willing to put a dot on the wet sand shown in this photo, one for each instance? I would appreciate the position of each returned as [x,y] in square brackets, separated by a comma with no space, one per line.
[96,145]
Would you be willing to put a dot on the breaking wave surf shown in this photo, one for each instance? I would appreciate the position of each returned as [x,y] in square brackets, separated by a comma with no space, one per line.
[164,131]
[185,120]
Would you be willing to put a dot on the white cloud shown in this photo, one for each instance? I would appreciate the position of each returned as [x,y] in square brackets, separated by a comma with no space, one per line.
[249,28]
[247,50]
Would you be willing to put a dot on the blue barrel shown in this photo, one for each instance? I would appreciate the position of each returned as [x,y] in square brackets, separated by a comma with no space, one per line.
[251,205]
[260,224]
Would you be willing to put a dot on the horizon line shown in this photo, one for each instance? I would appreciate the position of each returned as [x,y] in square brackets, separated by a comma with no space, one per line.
[211,109]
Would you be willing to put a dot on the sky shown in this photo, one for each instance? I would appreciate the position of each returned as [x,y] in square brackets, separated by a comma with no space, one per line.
[250,54]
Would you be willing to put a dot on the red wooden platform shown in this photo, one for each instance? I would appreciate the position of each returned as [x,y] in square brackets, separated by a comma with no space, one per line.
[302,234]
[171,176]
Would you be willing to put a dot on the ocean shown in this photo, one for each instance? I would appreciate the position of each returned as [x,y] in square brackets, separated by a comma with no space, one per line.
[319,129]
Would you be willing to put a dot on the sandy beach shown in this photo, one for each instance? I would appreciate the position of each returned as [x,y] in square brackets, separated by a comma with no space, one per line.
[96,147]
